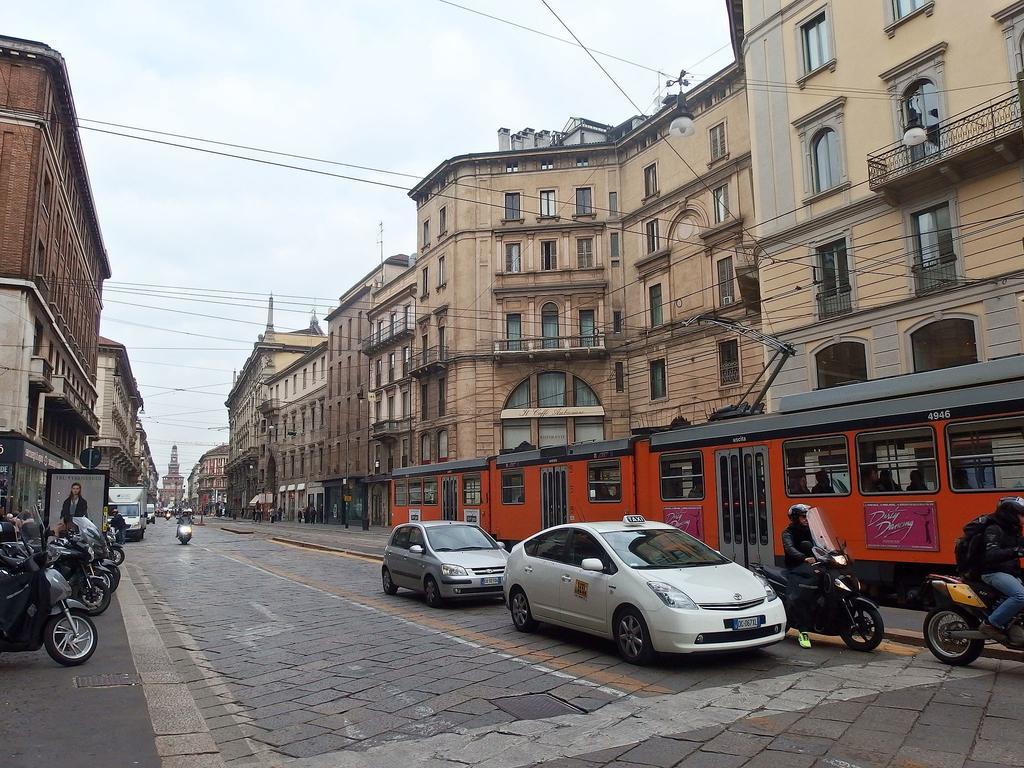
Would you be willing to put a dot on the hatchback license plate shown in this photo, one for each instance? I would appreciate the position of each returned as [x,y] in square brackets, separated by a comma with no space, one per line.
[750,622]
[491,581]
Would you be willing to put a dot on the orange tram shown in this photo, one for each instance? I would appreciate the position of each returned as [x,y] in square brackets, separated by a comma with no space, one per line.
[899,465]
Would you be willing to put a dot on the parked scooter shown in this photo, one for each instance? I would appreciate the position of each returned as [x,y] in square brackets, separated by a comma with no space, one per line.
[102,564]
[36,609]
[961,605]
[116,550]
[840,608]
[184,532]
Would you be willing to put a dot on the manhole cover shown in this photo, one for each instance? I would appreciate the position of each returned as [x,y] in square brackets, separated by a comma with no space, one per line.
[536,706]
[107,681]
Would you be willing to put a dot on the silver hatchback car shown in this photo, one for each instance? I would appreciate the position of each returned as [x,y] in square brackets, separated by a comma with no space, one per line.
[444,560]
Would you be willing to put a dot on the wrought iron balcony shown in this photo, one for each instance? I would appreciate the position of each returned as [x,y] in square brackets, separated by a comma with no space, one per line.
[833,302]
[399,329]
[962,139]
[580,345]
[391,427]
[935,276]
[428,360]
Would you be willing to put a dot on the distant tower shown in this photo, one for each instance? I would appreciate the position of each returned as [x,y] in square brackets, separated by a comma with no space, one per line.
[314,323]
[270,314]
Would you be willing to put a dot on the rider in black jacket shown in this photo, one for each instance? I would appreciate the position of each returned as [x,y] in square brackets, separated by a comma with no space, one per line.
[797,542]
[1000,568]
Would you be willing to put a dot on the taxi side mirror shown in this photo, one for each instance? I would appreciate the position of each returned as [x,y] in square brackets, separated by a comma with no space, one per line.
[592,564]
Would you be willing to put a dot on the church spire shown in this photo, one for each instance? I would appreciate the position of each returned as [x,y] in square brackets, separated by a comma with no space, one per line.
[270,314]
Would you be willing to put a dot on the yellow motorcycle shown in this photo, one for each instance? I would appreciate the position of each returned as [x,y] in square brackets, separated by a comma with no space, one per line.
[951,628]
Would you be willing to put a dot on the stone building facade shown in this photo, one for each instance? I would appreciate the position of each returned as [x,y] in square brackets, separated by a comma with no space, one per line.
[211,483]
[52,267]
[292,456]
[883,258]
[117,407]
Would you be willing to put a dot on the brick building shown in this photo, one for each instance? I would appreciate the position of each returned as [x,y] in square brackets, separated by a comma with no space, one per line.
[211,482]
[52,267]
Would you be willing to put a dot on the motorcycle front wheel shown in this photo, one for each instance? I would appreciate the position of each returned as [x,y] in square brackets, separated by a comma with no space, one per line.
[117,554]
[957,652]
[70,642]
[868,629]
[95,598]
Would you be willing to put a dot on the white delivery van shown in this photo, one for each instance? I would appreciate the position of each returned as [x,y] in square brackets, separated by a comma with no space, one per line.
[151,513]
[131,503]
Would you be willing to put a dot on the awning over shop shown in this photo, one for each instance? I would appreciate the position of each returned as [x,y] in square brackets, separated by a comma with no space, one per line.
[300,487]
[281,489]
[262,498]
[291,487]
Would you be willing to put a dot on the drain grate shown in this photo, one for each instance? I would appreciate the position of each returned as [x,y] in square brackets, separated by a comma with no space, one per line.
[107,681]
[535,706]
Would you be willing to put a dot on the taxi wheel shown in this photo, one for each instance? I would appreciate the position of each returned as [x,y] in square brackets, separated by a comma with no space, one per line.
[432,593]
[386,583]
[521,615]
[632,637]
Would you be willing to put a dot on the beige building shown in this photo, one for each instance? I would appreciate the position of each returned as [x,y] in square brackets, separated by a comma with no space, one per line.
[292,457]
[117,407]
[353,478]
[249,406]
[884,257]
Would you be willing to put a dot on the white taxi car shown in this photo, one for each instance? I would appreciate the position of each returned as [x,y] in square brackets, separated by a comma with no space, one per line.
[648,586]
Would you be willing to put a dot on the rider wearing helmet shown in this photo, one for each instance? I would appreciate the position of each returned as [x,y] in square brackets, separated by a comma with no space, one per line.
[797,543]
[1000,568]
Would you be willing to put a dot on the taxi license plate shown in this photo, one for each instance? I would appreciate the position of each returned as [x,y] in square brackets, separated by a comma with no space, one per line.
[750,622]
[491,581]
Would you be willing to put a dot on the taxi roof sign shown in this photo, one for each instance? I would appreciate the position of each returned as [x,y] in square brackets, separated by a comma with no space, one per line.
[634,520]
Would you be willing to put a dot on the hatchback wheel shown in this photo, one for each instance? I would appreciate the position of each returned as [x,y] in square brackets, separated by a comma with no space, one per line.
[432,593]
[522,618]
[633,638]
[387,583]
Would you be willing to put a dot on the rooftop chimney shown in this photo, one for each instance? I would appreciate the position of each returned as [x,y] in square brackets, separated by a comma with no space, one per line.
[504,145]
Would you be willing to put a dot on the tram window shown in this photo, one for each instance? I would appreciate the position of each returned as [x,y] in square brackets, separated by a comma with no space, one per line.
[415,492]
[682,476]
[471,489]
[986,455]
[430,491]
[604,481]
[897,462]
[511,487]
[819,467]
[401,494]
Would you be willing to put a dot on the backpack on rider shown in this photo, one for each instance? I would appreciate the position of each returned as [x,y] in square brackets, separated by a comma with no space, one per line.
[969,550]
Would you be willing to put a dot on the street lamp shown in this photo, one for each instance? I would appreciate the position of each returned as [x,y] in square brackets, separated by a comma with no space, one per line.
[914,135]
[682,123]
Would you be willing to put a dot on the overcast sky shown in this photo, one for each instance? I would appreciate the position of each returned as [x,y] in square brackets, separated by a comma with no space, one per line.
[393,84]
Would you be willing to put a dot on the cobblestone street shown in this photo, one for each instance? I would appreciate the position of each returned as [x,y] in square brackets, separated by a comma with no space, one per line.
[297,657]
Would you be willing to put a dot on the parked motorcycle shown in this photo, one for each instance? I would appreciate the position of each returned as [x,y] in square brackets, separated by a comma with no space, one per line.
[961,605]
[102,563]
[184,533]
[840,608]
[73,558]
[116,550]
[36,609]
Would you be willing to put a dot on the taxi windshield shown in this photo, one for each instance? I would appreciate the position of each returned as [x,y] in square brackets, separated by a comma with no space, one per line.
[661,548]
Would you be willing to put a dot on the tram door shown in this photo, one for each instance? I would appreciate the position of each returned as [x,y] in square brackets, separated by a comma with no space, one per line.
[744,505]
[449,498]
[554,497]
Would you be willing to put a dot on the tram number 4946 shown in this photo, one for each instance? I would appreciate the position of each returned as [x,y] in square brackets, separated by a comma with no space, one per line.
[936,415]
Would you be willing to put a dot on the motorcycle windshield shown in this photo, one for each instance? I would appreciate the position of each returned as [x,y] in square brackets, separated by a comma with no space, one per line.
[92,534]
[821,529]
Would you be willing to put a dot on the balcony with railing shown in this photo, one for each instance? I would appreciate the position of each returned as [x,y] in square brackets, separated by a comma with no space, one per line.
[391,427]
[40,373]
[579,345]
[270,405]
[428,360]
[936,275]
[68,401]
[390,332]
[961,145]
[835,301]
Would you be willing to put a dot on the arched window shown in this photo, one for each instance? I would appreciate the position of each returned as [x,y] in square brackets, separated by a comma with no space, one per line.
[425,448]
[551,390]
[921,105]
[944,344]
[842,363]
[825,163]
[583,394]
[520,397]
[442,445]
[549,325]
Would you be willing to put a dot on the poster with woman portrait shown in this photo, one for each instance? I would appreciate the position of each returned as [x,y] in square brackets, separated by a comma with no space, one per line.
[74,493]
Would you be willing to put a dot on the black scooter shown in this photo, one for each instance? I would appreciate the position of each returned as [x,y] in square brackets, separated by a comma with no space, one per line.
[840,609]
[36,609]
[184,532]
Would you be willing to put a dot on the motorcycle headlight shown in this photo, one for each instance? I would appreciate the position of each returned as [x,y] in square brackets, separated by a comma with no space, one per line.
[841,560]
[186,529]
[670,596]
[842,585]
[453,570]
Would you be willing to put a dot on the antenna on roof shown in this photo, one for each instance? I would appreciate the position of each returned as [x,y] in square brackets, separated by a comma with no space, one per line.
[380,240]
